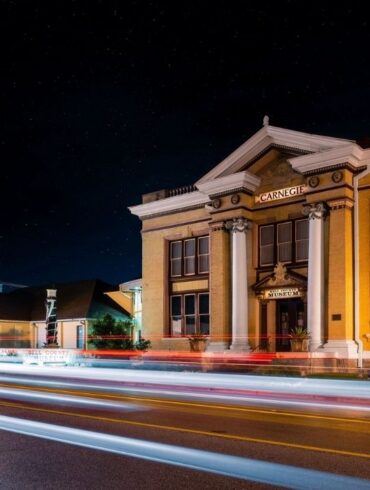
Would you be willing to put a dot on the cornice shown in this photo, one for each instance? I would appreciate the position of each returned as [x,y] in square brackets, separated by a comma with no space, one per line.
[350,155]
[230,183]
[270,136]
[184,202]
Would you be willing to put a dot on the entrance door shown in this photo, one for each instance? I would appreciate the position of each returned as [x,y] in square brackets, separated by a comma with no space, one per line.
[289,314]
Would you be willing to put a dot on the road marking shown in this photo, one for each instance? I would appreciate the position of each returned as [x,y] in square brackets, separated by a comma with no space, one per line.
[275,474]
[195,404]
[192,431]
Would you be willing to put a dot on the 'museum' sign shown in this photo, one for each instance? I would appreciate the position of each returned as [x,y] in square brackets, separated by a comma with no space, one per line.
[282,293]
[281,193]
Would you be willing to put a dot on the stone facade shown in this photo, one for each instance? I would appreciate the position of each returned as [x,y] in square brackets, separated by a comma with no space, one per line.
[273,183]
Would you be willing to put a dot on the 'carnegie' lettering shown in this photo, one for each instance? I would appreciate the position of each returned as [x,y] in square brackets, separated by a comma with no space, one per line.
[281,193]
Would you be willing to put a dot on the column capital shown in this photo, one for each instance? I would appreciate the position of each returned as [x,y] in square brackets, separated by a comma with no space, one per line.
[315,211]
[237,224]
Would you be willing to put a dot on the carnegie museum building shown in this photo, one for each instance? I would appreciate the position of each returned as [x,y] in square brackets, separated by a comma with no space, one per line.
[276,236]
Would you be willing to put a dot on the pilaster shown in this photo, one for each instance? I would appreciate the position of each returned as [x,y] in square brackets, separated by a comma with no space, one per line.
[340,294]
[219,288]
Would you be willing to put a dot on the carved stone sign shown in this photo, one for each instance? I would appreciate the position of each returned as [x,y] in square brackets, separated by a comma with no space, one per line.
[281,193]
[282,293]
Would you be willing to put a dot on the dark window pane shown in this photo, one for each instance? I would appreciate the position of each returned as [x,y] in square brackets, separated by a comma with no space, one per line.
[284,232]
[301,230]
[189,304]
[189,264]
[203,263]
[302,250]
[203,304]
[203,245]
[204,324]
[176,250]
[267,235]
[176,305]
[189,248]
[267,255]
[176,267]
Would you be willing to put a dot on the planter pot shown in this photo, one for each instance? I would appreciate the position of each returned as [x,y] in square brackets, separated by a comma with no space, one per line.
[299,345]
[198,345]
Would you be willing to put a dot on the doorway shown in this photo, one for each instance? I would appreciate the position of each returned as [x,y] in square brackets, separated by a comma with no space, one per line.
[289,314]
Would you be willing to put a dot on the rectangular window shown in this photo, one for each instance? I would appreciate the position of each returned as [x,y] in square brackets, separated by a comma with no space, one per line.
[284,242]
[189,257]
[267,238]
[176,258]
[189,314]
[301,240]
[203,255]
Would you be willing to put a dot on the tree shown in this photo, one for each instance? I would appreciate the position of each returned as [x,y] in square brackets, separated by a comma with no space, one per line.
[108,333]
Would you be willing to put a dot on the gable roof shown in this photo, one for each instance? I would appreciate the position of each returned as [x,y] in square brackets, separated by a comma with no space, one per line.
[268,137]
[81,299]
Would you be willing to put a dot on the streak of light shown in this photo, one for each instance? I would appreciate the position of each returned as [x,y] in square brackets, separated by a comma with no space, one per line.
[163,401]
[232,466]
[297,386]
[193,431]
[27,396]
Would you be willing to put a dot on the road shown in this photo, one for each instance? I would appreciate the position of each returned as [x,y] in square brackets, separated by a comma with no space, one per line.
[181,431]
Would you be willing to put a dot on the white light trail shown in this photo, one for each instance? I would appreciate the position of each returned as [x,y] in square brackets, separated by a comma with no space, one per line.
[32,396]
[232,466]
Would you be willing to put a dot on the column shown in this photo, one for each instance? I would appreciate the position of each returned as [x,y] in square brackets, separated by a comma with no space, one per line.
[238,228]
[316,274]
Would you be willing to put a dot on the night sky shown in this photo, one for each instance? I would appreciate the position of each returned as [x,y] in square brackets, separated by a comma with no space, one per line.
[104,101]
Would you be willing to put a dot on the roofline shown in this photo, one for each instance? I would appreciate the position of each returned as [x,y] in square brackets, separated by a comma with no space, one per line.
[268,136]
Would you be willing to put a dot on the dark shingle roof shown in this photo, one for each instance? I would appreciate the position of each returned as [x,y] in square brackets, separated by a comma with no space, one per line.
[81,299]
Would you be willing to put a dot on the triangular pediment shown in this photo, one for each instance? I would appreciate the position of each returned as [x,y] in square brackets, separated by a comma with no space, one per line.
[281,278]
[255,149]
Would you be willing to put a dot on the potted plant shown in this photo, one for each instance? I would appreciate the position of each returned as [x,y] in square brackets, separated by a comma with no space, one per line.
[299,337]
[198,342]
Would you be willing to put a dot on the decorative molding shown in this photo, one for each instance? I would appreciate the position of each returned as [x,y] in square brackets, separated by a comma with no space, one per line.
[230,184]
[313,181]
[314,211]
[176,225]
[350,154]
[280,277]
[219,226]
[337,176]
[237,225]
[340,204]
[343,165]
[235,198]
[216,203]
[182,202]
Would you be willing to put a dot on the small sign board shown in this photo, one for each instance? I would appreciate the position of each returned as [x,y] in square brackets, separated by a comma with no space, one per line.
[285,193]
[282,293]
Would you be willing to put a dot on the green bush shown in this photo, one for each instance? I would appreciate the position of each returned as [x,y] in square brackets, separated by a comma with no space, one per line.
[108,333]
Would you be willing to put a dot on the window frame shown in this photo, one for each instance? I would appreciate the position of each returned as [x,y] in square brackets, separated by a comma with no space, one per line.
[294,259]
[196,258]
[298,261]
[197,315]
